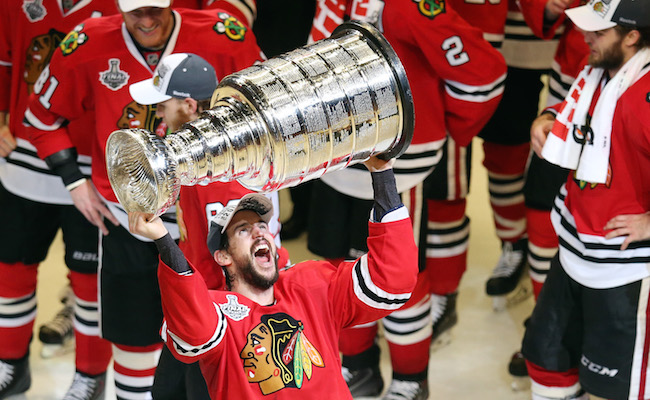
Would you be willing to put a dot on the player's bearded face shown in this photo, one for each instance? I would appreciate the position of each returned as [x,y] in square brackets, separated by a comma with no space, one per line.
[253,251]
[149,26]
[606,49]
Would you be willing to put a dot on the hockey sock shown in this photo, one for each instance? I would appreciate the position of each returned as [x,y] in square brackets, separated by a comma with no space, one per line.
[134,368]
[92,353]
[554,385]
[447,239]
[542,246]
[367,359]
[17,308]
[506,166]
[408,333]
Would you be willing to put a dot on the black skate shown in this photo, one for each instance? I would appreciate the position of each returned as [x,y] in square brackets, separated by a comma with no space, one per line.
[365,382]
[444,316]
[15,377]
[407,390]
[85,387]
[504,285]
[57,335]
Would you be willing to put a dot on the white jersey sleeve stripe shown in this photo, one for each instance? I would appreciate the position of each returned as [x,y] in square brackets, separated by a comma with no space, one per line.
[475,94]
[369,293]
[185,349]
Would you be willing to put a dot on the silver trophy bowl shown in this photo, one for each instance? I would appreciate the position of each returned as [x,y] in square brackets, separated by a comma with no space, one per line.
[290,119]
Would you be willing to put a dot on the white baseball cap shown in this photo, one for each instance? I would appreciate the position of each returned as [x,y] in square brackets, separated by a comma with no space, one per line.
[598,15]
[130,5]
[257,202]
[180,75]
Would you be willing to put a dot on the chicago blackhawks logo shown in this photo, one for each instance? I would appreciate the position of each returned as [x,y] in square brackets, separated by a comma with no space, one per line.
[114,78]
[278,355]
[584,184]
[38,55]
[34,9]
[431,8]
[231,27]
[73,40]
[136,115]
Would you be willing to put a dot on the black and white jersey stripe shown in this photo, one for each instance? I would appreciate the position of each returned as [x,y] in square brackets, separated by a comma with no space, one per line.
[475,93]
[595,261]
[188,350]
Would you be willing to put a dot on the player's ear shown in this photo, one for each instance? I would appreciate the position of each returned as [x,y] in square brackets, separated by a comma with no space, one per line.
[192,105]
[223,258]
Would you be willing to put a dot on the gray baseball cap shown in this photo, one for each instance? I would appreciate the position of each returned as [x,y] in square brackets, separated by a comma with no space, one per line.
[257,202]
[180,75]
[598,15]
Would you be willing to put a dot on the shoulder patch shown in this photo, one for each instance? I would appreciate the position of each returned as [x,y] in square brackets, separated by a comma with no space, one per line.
[73,40]
[431,8]
[231,27]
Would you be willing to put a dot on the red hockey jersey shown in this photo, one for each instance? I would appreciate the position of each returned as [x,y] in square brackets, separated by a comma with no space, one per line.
[582,209]
[99,60]
[571,49]
[288,349]
[31,31]
[456,78]
[487,15]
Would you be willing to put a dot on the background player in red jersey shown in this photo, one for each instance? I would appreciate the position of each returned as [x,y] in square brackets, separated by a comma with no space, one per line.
[92,72]
[34,204]
[589,329]
[457,81]
[276,334]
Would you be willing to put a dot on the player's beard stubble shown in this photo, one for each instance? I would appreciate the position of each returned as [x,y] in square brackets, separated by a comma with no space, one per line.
[252,276]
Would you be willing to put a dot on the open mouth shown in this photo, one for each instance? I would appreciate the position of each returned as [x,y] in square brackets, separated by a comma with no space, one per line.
[262,253]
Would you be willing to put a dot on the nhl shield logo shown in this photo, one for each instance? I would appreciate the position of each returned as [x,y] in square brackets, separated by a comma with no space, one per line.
[34,9]
[233,309]
[114,78]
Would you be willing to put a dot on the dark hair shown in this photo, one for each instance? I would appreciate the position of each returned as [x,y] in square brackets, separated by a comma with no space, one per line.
[202,105]
[644,35]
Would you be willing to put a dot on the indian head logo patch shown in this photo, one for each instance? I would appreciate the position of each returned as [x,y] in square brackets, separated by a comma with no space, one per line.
[431,8]
[231,27]
[34,9]
[114,78]
[278,355]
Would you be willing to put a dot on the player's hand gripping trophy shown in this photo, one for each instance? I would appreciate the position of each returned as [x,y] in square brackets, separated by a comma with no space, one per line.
[292,118]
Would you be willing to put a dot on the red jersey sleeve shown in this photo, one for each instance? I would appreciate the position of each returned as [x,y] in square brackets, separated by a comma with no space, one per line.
[244,10]
[62,93]
[5,58]
[471,70]
[382,280]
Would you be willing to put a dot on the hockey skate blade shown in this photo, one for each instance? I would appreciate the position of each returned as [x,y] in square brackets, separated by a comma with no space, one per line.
[523,291]
[520,383]
[56,350]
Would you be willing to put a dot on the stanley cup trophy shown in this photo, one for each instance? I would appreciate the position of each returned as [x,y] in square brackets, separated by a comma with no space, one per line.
[290,119]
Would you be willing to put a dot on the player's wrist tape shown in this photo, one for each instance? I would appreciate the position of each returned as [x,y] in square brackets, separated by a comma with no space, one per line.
[64,164]
[386,196]
[76,184]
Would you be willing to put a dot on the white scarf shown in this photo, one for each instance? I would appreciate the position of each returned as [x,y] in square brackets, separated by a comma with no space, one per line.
[563,148]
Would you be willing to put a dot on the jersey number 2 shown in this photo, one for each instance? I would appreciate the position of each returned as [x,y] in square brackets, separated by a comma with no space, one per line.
[455,54]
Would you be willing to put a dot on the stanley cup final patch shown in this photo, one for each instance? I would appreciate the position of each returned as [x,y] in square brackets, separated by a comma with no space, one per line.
[34,9]
[114,78]
[233,309]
